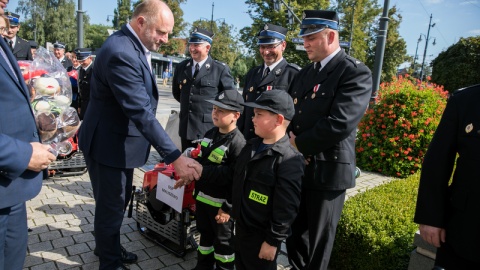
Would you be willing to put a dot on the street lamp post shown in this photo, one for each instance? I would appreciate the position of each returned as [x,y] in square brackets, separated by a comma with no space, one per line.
[430,25]
[416,51]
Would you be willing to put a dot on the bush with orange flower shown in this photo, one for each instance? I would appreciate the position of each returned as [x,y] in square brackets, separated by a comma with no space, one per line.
[394,134]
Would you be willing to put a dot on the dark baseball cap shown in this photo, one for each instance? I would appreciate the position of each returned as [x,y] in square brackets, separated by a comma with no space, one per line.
[228,100]
[276,101]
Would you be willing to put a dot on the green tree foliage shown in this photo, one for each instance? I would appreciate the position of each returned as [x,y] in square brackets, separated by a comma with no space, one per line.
[395,48]
[49,21]
[457,67]
[95,35]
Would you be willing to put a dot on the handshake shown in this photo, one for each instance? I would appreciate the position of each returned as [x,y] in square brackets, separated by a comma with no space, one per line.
[187,170]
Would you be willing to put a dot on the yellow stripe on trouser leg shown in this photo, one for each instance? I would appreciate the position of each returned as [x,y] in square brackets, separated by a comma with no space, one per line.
[205,250]
[224,258]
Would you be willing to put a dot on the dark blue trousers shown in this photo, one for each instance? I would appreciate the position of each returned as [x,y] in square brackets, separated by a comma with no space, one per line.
[13,237]
[112,189]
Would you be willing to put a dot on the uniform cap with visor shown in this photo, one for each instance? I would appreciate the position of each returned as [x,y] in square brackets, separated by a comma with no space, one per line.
[229,100]
[314,21]
[271,34]
[200,35]
[13,18]
[82,53]
[59,45]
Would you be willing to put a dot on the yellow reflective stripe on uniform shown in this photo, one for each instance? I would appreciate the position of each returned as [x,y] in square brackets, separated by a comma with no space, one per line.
[258,197]
[217,154]
[205,250]
[204,143]
[224,258]
[202,197]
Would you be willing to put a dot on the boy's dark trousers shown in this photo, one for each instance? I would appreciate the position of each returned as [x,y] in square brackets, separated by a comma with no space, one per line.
[247,248]
[216,245]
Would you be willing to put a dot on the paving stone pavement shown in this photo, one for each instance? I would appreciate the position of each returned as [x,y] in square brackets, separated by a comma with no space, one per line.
[61,218]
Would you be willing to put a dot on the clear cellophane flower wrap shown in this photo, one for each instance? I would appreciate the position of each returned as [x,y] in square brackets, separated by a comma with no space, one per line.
[51,95]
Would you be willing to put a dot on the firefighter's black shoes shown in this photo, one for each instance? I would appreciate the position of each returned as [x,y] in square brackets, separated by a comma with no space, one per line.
[127,257]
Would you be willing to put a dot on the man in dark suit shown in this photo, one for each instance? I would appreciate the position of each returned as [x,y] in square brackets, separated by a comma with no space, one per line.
[330,98]
[59,52]
[195,80]
[19,47]
[120,125]
[448,214]
[84,57]
[274,73]
[22,159]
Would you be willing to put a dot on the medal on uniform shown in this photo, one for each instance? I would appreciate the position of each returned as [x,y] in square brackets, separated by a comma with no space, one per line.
[315,89]
[295,101]
[251,89]
[184,81]
[269,87]
[469,128]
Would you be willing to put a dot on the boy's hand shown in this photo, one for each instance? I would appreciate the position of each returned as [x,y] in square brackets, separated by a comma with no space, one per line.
[267,252]
[222,216]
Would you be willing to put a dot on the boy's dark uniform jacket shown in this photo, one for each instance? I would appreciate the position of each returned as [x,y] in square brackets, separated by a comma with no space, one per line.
[279,78]
[325,121]
[276,174]
[456,207]
[21,50]
[196,114]
[216,178]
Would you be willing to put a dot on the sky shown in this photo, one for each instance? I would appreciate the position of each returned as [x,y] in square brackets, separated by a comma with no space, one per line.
[453,19]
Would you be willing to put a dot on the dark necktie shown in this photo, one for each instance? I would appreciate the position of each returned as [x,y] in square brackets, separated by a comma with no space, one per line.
[196,70]
[317,66]
[10,42]
[265,72]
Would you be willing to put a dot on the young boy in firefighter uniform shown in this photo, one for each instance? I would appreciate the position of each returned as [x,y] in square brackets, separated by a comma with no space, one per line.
[219,149]
[266,184]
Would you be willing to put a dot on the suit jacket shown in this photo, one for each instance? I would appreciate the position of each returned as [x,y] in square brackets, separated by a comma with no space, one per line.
[17,130]
[195,113]
[455,207]
[325,121]
[120,123]
[278,78]
[21,50]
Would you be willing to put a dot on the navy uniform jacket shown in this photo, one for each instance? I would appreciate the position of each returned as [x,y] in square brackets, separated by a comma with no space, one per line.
[325,122]
[195,113]
[17,130]
[84,77]
[66,63]
[454,207]
[279,78]
[21,50]
[266,189]
[120,123]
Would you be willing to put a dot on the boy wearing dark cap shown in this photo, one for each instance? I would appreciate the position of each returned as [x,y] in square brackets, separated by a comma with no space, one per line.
[274,73]
[219,149]
[266,184]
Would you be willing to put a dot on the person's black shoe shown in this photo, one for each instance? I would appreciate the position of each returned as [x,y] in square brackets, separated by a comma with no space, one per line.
[122,267]
[127,257]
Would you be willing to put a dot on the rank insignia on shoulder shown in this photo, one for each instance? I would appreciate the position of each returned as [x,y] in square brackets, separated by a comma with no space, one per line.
[469,128]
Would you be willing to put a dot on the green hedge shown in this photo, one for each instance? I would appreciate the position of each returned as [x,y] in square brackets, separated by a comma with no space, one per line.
[376,229]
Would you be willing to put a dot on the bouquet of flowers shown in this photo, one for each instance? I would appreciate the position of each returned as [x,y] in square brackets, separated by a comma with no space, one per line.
[51,94]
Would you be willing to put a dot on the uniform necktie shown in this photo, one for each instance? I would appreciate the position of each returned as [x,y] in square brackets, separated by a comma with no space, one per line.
[196,70]
[2,52]
[317,66]
[10,42]
[265,72]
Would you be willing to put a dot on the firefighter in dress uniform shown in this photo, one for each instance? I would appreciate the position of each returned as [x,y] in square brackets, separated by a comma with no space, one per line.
[274,73]
[84,56]
[195,80]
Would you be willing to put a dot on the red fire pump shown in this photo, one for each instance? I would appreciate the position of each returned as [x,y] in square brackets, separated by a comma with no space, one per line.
[174,231]
[70,160]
